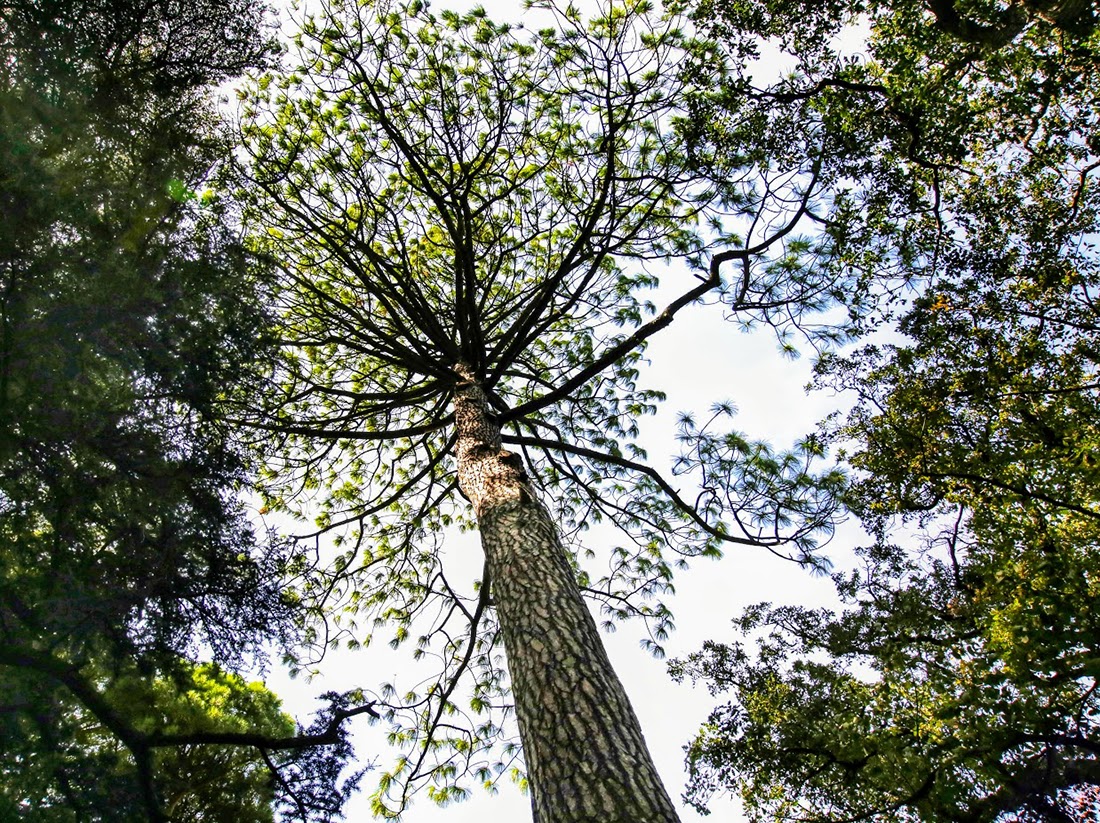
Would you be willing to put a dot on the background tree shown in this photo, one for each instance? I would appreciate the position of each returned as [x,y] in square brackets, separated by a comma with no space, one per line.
[125,309]
[75,764]
[930,124]
[465,215]
[960,681]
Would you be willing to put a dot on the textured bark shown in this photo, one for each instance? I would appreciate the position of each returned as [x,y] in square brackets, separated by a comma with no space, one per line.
[586,758]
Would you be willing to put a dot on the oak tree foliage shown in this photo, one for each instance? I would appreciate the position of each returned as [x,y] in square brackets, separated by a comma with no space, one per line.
[959,680]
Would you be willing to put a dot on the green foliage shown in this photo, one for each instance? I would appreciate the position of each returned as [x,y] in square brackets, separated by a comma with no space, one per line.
[62,763]
[934,702]
[959,681]
[444,190]
[127,307]
[916,117]
[121,324]
[213,782]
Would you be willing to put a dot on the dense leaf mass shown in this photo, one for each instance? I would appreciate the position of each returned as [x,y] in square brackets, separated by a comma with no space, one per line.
[127,305]
[918,124]
[959,682]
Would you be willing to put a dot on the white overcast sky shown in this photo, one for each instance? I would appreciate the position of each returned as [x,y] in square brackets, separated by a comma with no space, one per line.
[699,360]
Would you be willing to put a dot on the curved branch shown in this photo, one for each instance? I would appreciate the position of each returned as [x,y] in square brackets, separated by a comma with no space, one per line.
[327,737]
[345,434]
[1012,21]
[483,601]
[1022,491]
[647,330]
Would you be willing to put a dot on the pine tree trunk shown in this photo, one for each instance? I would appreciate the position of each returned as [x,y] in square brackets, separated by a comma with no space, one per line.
[586,758]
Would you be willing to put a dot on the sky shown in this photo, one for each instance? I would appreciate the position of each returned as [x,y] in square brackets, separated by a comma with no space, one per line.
[699,360]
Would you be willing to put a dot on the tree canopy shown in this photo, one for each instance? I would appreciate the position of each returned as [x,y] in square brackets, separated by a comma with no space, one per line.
[467,216]
[958,682]
[455,241]
[127,304]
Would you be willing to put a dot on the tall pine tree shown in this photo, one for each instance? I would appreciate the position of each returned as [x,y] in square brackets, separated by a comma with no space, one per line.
[466,216]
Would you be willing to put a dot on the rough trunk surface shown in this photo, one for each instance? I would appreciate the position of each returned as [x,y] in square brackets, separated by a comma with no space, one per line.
[586,758]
